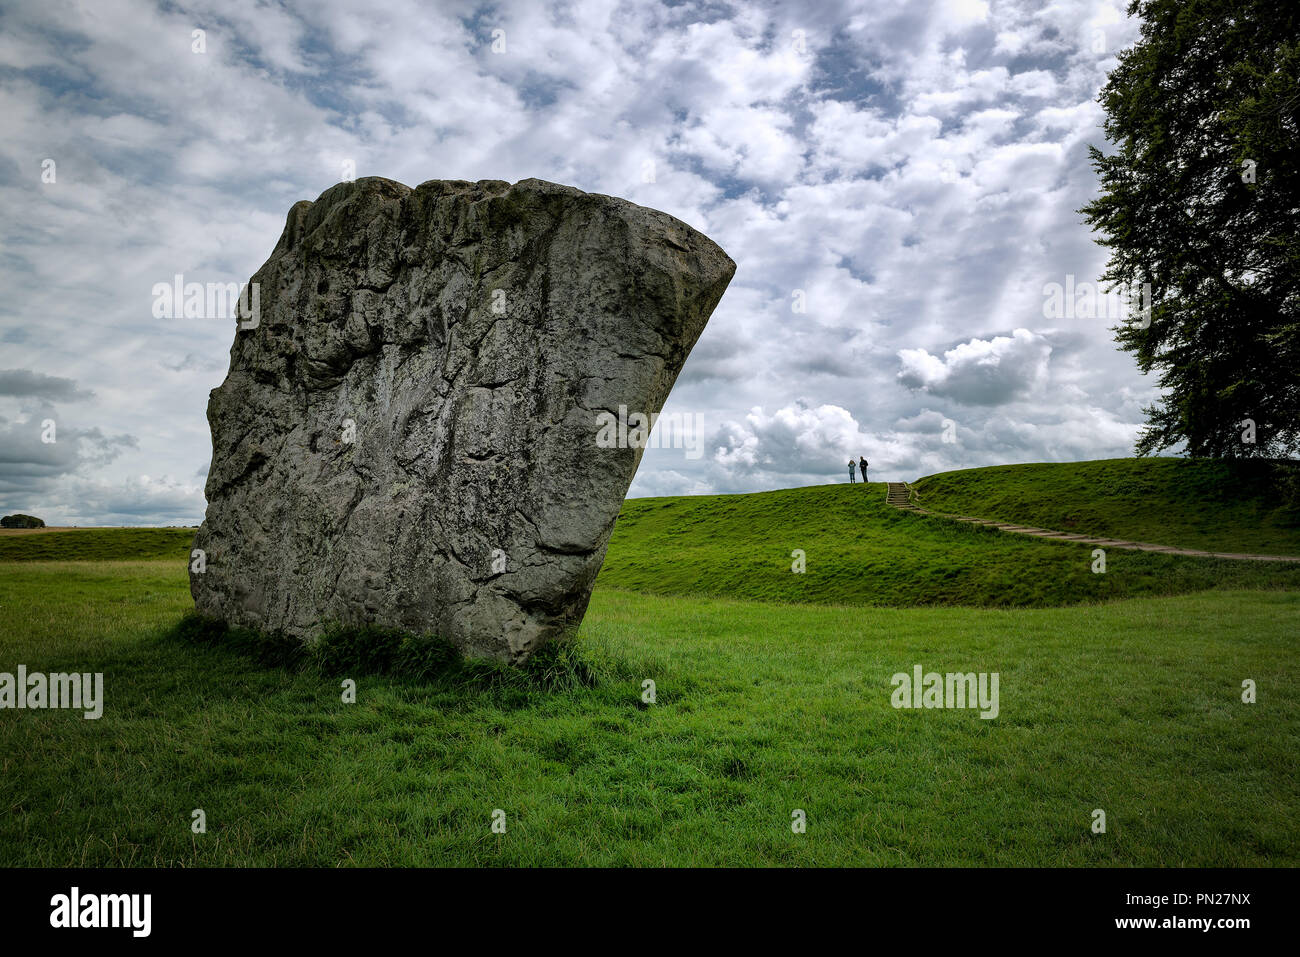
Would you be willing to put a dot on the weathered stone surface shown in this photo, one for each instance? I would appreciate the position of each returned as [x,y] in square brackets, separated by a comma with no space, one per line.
[468,334]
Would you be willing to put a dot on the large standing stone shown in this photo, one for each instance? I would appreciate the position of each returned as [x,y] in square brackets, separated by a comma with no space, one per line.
[408,436]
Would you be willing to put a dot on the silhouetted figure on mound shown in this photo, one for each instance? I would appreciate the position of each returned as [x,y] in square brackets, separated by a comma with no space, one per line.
[851,467]
[862,467]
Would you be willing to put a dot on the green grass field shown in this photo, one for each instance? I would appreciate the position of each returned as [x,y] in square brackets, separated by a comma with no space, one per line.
[97,545]
[764,706]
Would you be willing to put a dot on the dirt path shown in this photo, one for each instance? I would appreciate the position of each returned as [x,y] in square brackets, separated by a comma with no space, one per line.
[899,497]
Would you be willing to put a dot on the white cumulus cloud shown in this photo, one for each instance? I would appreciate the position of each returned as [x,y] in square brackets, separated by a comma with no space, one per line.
[981,371]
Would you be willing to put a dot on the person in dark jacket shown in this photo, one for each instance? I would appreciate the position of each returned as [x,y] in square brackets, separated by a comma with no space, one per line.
[862,467]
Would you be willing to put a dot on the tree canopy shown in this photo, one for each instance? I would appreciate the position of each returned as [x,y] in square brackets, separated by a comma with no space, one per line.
[1201,200]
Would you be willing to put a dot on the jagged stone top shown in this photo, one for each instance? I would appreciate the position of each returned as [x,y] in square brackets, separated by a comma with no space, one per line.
[305,216]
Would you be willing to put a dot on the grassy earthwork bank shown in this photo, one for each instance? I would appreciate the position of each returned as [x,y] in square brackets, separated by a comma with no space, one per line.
[767,702]
[1214,505]
[857,550]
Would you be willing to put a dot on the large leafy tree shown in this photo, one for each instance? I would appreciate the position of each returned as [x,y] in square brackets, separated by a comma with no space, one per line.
[1201,200]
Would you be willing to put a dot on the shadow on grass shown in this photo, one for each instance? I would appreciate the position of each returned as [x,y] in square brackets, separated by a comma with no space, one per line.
[409,659]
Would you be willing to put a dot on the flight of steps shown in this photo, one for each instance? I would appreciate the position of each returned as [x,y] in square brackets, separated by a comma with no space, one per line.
[896,495]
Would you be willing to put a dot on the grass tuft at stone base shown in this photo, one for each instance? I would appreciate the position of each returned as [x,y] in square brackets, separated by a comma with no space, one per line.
[355,651]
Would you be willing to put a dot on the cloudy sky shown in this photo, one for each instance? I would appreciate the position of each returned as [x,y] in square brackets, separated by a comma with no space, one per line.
[897,181]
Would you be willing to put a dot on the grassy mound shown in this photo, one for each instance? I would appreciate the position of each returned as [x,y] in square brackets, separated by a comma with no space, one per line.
[861,551]
[1217,505]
